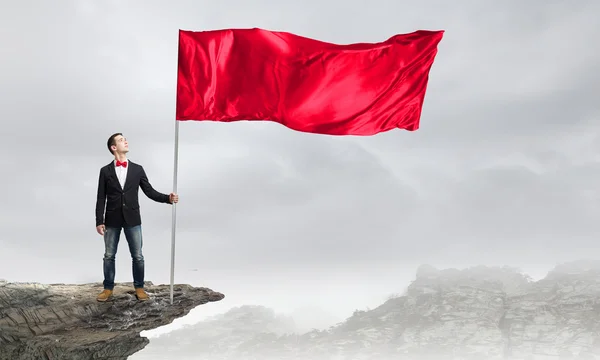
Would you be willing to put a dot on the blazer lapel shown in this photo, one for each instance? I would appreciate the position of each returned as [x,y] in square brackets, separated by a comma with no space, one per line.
[130,166]
[112,172]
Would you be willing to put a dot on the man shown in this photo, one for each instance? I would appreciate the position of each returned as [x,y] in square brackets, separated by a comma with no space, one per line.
[118,185]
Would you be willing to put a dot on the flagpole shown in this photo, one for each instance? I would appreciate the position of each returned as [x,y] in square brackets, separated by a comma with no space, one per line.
[175,163]
[174,208]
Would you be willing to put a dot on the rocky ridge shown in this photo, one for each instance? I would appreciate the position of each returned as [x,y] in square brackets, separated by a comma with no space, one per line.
[61,321]
[476,313]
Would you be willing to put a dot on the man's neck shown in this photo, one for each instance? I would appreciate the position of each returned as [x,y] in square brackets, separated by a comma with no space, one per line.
[121,157]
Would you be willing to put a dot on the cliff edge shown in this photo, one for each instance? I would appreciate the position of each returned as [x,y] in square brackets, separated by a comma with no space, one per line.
[62,321]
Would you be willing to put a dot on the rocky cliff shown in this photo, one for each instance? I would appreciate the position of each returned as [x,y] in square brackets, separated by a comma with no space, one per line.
[477,313]
[58,321]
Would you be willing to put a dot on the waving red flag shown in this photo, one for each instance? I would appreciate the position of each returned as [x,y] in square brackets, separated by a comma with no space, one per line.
[302,83]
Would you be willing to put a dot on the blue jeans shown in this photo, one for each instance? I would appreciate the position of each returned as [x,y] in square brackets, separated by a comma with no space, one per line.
[133,235]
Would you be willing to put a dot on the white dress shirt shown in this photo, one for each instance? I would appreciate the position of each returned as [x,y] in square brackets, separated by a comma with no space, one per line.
[121,173]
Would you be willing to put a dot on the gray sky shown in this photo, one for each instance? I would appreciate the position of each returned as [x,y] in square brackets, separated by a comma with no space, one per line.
[504,170]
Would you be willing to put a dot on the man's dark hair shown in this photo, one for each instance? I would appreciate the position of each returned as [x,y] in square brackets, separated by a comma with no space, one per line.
[111,141]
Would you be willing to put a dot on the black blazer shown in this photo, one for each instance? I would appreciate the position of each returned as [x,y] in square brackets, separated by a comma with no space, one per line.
[122,206]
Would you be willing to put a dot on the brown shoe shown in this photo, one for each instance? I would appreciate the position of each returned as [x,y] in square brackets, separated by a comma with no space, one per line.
[104,295]
[141,294]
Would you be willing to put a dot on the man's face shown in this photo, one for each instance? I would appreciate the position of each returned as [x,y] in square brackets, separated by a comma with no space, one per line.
[121,145]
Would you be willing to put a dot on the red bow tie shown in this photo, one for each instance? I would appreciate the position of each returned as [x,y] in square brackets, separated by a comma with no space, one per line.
[123,164]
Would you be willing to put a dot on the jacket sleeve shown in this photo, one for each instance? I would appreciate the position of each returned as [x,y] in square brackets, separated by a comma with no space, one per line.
[149,190]
[100,198]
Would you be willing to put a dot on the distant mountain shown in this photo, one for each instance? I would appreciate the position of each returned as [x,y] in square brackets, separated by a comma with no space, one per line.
[476,313]
[221,334]
[310,317]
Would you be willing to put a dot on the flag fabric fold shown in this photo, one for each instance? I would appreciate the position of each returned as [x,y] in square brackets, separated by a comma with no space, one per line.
[304,84]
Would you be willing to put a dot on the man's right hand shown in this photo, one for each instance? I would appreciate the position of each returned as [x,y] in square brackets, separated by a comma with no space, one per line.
[100,229]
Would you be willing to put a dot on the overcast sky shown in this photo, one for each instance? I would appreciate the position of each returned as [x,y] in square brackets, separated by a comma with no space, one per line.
[503,171]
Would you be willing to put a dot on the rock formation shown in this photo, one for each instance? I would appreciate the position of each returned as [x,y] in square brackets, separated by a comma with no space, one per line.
[58,321]
[480,313]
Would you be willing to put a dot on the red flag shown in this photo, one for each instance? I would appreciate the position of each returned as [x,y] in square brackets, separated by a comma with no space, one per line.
[302,83]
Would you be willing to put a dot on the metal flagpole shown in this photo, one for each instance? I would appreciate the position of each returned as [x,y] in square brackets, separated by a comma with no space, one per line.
[174,208]
[175,191]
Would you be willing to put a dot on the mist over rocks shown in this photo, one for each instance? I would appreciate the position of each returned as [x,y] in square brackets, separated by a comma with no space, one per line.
[476,313]
[505,279]
[64,321]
